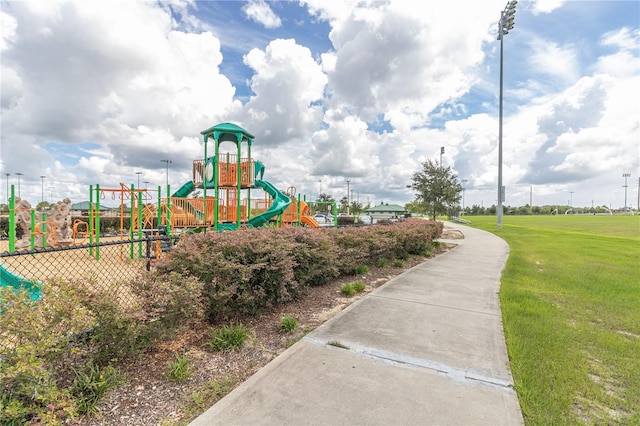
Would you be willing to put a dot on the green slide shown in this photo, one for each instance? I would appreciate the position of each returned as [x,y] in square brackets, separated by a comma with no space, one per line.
[280,203]
[9,279]
[184,190]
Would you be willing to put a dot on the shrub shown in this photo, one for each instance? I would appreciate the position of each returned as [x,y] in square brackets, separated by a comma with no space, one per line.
[34,335]
[361,269]
[315,256]
[242,271]
[288,323]
[398,263]
[358,286]
[178,370]
[229,338]
[347,289]
[91,384]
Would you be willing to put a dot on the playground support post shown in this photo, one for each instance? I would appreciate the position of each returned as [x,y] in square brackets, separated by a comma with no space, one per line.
[91,217]
[97,219]
[12,222]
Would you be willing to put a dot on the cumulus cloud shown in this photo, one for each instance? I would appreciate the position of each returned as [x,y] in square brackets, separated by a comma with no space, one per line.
[259,11]
[546,6]
[288,85]
[104,72]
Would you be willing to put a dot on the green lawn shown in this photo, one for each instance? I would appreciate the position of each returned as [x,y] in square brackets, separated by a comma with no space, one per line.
[570,298]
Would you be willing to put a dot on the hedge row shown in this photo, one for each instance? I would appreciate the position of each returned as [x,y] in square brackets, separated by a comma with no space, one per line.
[249,270]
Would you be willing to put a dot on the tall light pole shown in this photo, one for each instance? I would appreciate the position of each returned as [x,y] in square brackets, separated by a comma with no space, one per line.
[42,190]
[505,24]
[319,187]
[625,176]
[7,175]
[463,182]
[168,162]
[571,200]
[348,202]
[138,173]
[18,174]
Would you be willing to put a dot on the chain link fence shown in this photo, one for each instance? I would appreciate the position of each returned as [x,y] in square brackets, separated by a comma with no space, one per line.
[107,263]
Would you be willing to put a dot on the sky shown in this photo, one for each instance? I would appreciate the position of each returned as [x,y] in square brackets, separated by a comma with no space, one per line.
[340,96]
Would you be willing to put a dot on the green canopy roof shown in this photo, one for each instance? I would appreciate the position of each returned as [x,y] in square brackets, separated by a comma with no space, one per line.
[387,208]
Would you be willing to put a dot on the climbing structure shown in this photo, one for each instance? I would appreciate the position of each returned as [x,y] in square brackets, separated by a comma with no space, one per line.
[233,192]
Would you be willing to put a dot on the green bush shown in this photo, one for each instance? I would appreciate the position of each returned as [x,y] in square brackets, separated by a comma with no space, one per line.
[78,323]
[358,286]
[350,289]
[288,323]
[315,256]
[34,336]
[347,289]
[243,271]
[179,370]
[229,338]
[90,385]
[361,269]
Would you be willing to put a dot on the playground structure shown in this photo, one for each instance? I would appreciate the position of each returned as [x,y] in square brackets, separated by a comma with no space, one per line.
[234,196]
[234,180]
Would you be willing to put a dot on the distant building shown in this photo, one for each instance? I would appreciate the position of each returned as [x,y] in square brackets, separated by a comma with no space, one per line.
[387,211]
[82,209]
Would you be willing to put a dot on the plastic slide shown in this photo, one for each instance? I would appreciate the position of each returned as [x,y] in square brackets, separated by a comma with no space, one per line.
[309,221]
[9,279]
[279,205]
[184,190]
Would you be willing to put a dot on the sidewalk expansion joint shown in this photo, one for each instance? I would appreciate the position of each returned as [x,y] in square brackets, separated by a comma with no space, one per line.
[455,374]
[493,314]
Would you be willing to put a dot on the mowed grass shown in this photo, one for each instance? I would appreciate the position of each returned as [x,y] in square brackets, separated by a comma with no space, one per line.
[570,299]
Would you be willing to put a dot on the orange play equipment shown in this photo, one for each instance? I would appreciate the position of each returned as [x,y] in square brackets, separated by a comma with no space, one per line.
[233,192]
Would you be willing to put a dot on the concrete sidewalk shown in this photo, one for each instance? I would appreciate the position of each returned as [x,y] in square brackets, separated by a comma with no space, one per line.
[426,348]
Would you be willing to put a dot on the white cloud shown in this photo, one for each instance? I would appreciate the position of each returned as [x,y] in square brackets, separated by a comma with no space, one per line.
[287,84]
[546,6]
[260,12]
[553,62]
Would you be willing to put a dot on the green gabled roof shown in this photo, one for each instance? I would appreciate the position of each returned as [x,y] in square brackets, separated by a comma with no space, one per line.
[228,132]
[387,208]
[84,205]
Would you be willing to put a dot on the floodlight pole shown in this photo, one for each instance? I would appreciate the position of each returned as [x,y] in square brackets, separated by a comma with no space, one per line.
[504,25]
[7,175]
[463,182]
[19,174]
[625,176]
[348,201]
[168,162]
[42,188]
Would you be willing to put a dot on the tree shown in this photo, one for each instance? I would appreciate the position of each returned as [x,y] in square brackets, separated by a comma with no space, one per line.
[325,198]
[437,188]
[343,205]
[42,205]
[415,207]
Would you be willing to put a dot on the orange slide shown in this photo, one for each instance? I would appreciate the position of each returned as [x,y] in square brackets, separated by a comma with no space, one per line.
[309,221]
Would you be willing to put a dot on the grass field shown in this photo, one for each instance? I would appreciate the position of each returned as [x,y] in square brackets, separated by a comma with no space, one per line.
[570,298]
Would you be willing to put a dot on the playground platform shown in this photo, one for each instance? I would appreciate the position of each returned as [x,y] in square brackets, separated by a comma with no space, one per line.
[426,348]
